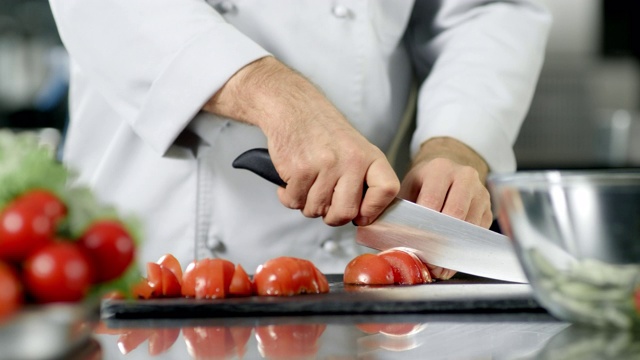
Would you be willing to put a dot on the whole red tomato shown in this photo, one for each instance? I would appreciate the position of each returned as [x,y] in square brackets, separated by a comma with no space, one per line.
[23,230]
[11,295]
[59,272]
[45,201]
[110,248]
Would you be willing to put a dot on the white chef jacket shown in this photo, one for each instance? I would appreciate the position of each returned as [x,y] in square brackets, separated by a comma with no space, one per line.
[142,70]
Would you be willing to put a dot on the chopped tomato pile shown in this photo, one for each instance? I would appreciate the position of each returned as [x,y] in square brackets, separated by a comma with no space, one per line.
[40,263]
[220,278]
[391,267]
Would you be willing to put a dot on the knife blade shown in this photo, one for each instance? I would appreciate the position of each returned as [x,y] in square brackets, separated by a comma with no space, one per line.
[436,238]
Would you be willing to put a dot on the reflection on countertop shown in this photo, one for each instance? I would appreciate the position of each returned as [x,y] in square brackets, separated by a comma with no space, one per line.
[406,336]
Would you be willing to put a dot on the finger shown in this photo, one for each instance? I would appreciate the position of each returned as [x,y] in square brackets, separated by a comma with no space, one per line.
[458,200]
[487,218]
[345,202]
[478,209]
[294,196]
[319,196]
[433,192]
[440,272]
[383,186]
[410,187]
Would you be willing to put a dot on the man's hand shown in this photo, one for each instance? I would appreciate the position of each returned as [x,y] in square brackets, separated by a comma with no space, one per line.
[321,157]
[449,177]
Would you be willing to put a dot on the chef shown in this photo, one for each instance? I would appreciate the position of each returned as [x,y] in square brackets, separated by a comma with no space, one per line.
[165,94]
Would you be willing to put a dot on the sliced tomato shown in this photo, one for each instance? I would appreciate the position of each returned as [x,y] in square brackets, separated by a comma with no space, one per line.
[154,276]
[241,284]
[143,290]
[408,269]
[162,281]
[11,293]
[169,261]
[287,276]
[369,269]
[207,279]
[59,272]
[170,285]
[211,342]
[289,341]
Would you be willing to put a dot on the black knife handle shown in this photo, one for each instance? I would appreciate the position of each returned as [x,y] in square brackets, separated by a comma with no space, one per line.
[259,162]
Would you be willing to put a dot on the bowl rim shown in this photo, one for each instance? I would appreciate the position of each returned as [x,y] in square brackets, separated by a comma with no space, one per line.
[543,178]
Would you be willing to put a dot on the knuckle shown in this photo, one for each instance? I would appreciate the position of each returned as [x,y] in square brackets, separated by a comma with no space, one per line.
[469,172]
[314,212]
[342,216]
[457,212]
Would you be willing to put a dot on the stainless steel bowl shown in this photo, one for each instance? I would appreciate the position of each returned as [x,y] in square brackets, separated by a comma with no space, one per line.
[577,236]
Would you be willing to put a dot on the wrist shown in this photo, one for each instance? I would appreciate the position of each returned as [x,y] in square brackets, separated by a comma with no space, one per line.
[265,93]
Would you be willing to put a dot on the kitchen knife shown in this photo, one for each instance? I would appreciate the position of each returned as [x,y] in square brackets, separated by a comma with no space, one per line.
[436,238]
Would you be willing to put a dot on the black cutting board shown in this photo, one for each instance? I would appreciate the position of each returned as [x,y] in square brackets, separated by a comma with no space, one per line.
[463,293]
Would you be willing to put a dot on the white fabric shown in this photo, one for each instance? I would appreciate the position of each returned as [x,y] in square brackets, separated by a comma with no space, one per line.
[143,69]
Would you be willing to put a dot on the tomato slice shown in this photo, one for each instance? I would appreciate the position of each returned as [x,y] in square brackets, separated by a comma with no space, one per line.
[241,284]
[162,281]
[207,279]
[169,261]
[408,269]
[154,277]
[170,285]
[142,290]
[287,276]
[369,269]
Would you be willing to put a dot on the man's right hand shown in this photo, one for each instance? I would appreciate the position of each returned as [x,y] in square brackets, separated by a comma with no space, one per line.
[321,157]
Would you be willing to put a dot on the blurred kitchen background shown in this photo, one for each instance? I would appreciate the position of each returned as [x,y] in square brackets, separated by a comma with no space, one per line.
[585,113]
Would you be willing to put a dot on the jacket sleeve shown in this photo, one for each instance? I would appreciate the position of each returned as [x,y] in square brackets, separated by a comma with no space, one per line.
[483,59]
[155,61]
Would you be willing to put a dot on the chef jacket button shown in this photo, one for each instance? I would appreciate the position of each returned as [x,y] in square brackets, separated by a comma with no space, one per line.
[341,12]
[214,244]
[330,246]
[223,7]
